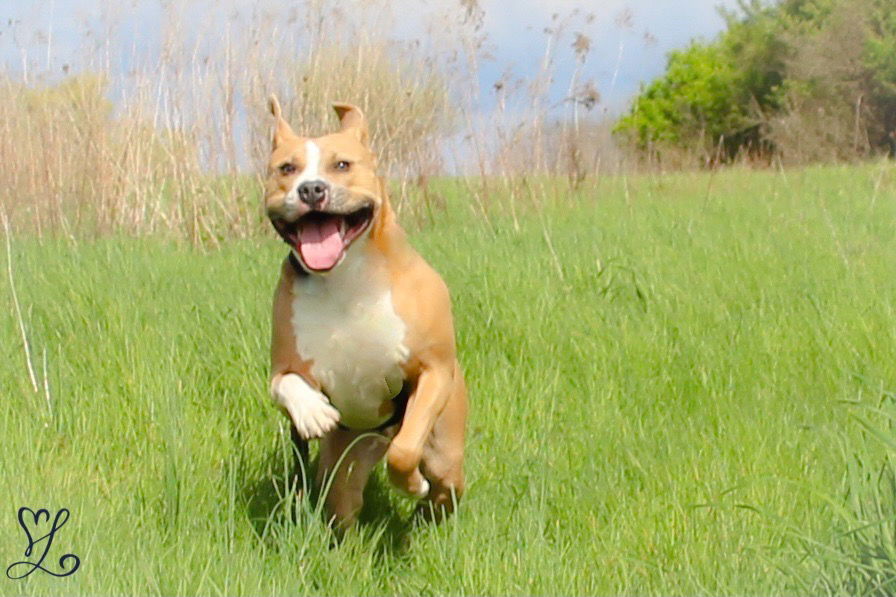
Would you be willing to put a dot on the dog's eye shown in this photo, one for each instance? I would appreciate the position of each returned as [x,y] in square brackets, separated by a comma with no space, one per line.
[287,169]
[342,165]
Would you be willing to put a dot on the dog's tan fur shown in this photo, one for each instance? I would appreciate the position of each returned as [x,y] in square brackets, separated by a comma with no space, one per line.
[427,446]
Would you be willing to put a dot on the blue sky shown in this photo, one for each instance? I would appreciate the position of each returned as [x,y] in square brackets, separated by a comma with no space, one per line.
[630,38]
[622,56]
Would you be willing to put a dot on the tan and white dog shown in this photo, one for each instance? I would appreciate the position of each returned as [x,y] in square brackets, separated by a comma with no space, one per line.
[363,339]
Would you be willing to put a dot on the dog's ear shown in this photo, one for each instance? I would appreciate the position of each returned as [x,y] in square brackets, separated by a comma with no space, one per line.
[352,120]
[282,130]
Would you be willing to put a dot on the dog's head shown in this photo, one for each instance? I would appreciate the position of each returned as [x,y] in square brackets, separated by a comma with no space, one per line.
[322,194]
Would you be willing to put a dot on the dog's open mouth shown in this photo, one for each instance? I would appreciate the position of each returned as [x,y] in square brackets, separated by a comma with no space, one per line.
[321,239]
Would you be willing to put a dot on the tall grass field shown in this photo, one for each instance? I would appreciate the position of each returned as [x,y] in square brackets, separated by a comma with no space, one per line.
[680,384]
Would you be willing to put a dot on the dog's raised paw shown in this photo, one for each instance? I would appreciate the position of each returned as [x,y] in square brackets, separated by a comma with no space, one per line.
[317,419]
[421,492]
[424,490]
[310,411]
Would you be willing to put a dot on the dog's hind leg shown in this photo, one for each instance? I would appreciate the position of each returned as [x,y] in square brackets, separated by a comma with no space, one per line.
[443,455]
[346,460]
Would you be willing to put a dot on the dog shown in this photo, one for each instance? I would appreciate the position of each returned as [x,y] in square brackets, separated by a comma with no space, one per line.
[363,352]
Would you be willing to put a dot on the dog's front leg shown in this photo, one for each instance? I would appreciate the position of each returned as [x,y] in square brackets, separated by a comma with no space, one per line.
[406,450]
[310,411]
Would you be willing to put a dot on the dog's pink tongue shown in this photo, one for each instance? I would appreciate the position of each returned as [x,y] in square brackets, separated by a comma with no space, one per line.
[320,244]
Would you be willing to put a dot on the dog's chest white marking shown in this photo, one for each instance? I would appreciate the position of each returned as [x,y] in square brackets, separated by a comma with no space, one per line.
[345,323]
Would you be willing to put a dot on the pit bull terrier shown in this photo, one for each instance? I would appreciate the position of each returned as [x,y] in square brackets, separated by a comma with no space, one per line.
[363,351]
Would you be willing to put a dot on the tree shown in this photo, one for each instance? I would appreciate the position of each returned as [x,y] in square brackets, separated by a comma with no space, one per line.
[804,79]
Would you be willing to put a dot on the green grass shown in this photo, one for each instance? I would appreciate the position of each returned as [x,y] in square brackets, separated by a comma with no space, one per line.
[679,385]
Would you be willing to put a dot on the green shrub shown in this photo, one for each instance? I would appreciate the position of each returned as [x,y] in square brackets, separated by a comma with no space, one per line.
[806,80]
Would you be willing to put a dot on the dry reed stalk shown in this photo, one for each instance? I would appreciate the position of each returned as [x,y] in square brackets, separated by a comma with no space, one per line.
[163,147]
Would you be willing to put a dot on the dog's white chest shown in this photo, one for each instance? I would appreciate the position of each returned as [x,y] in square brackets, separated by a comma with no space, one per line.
[346,325]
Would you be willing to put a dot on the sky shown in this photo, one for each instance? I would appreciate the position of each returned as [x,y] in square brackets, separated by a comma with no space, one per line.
[630,38]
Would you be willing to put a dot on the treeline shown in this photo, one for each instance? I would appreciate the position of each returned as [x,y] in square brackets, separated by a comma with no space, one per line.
[795,80]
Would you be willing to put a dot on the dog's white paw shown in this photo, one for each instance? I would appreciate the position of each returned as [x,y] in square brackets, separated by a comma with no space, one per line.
[416,495]
[316,419]
[424,490]
[310,411]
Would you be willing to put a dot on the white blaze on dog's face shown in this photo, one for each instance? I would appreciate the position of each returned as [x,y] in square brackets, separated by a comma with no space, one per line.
[322,194]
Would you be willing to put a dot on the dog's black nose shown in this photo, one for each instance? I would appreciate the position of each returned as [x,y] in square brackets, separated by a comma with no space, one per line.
[313,192]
